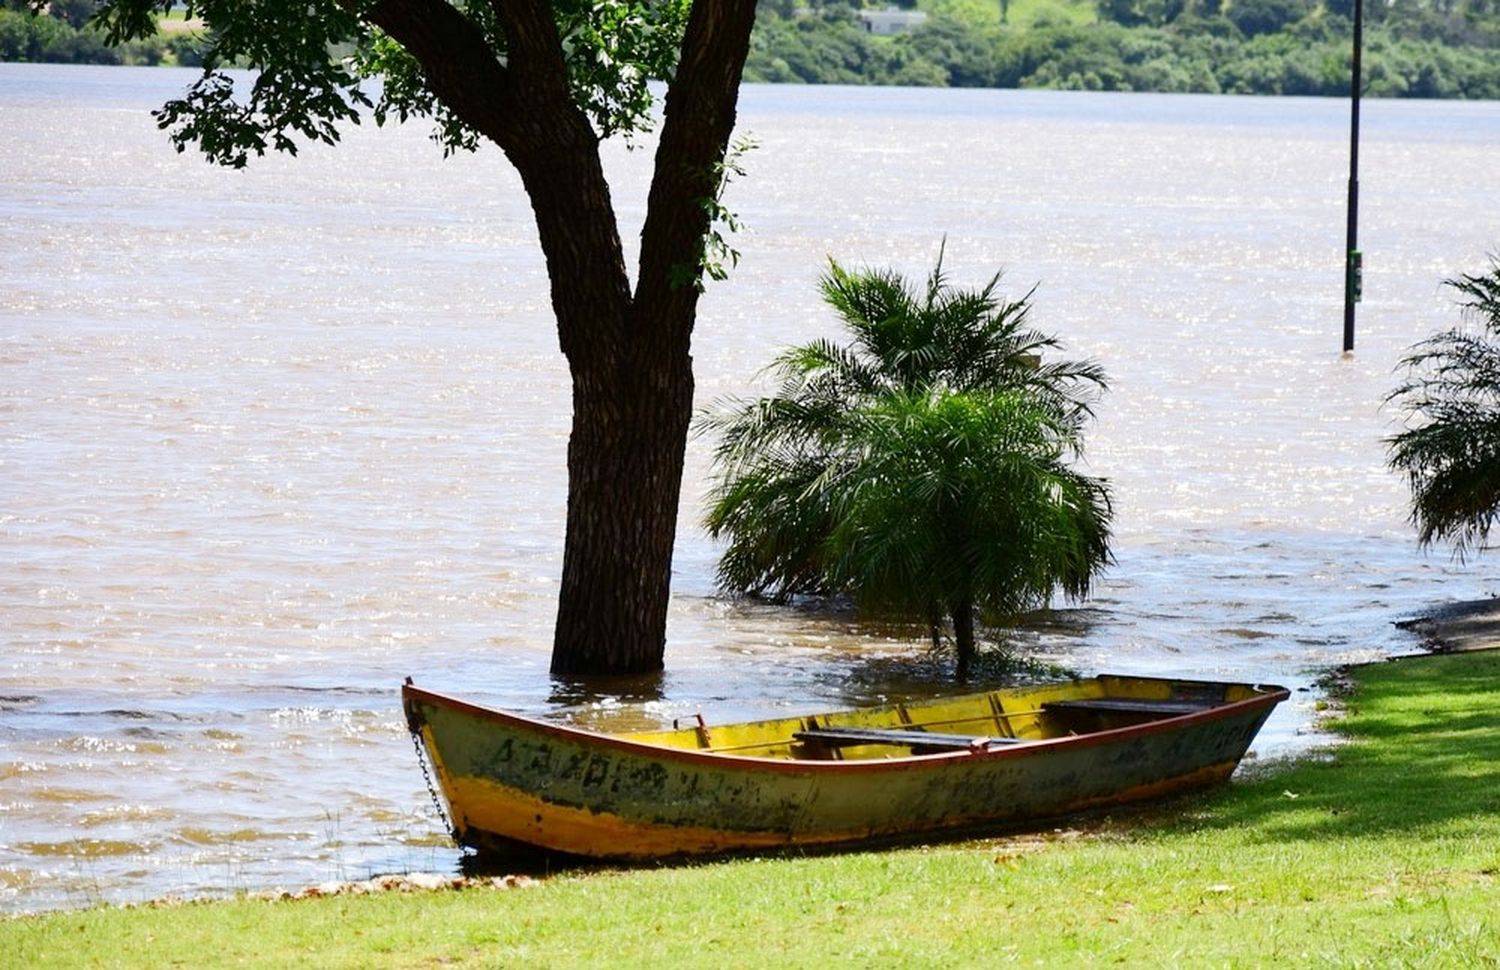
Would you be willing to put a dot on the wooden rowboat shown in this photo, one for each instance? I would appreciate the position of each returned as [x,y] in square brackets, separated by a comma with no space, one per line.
[1004,758]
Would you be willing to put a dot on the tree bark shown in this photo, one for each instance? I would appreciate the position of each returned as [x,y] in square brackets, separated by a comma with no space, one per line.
[628,354]
[632,407]
[625,461]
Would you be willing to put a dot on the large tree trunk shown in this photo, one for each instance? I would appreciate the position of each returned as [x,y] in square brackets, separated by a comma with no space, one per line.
[632,404]
[624,477]
[628,352]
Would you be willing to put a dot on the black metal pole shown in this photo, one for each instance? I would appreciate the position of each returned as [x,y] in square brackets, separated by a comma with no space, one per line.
[1353,270]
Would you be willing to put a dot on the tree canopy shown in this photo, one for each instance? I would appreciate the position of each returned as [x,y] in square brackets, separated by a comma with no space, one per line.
[608,51]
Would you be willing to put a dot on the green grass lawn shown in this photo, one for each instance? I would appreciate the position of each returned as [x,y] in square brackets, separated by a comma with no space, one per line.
[1386,854]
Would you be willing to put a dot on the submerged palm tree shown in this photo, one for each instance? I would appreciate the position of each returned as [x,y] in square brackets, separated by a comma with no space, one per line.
[922,468]
[1450,451]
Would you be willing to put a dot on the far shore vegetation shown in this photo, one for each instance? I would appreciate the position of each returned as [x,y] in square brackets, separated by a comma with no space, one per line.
[1413,48]
[1383,852]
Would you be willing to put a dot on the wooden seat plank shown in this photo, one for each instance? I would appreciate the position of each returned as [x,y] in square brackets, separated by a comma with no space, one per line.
[840,736]
[1128,705]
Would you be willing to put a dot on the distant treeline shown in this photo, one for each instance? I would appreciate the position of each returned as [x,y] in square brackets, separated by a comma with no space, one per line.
[1437,49]
[1413,48]
[62,36]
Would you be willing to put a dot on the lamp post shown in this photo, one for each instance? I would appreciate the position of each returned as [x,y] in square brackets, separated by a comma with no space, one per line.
[1353,268]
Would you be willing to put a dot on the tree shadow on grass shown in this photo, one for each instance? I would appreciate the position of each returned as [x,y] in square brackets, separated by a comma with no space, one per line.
[1423,755]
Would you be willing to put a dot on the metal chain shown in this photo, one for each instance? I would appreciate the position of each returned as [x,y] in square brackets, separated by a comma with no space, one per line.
[437,802]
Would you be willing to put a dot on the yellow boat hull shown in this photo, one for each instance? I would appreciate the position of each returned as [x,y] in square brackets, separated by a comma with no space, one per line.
[1003,758]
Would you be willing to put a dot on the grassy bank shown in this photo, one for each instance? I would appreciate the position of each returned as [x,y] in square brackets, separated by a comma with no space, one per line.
[1387,854]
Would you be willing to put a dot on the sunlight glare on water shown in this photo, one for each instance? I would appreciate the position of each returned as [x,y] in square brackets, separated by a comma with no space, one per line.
[272,440]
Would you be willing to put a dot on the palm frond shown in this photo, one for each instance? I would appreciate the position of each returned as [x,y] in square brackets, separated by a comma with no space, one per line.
[1449,451]
[923,466]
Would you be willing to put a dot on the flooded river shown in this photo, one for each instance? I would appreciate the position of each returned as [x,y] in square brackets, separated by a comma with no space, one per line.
[272,440]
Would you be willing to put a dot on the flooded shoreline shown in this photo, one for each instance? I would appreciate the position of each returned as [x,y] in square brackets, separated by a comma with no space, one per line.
[271,441]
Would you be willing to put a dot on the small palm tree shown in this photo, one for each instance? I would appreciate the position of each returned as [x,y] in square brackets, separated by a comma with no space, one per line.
[922,468]
[906,337]
[1450,451]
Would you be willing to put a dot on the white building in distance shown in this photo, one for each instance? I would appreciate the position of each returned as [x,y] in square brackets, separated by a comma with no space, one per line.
[883,23]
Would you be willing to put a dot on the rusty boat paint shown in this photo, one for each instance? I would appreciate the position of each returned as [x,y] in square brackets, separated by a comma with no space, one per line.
[1001,759]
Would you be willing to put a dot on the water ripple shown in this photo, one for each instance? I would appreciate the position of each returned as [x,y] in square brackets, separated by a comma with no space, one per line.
[276,439]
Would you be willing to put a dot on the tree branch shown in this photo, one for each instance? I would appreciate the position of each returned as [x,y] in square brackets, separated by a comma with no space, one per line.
[535,49]
[526,107]
[700,113]
[456,60]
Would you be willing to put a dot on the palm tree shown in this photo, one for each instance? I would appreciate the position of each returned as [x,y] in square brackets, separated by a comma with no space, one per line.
[908,337]
[1450,450]
[922,468]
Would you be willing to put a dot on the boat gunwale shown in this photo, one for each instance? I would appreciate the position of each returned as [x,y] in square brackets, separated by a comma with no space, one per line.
[1274,694]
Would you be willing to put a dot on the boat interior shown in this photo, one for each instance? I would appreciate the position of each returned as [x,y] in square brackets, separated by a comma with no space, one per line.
[974,722]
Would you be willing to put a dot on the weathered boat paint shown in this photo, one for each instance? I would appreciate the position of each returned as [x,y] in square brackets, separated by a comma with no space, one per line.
[712,789]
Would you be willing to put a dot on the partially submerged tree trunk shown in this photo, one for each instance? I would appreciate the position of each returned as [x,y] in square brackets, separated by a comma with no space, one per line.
[629,354]
[632,403]
[624,476]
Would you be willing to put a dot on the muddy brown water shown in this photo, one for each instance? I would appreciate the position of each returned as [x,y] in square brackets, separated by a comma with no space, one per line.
[272,440]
